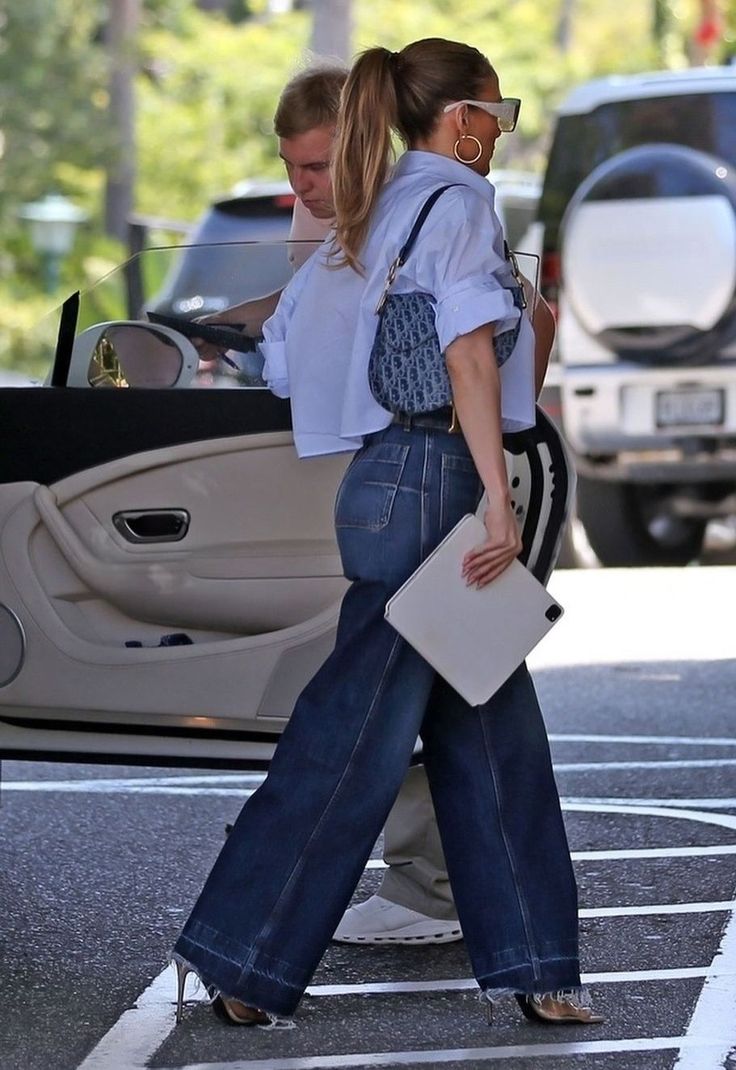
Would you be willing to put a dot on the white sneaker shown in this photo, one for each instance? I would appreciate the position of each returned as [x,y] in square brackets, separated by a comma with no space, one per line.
[379,921]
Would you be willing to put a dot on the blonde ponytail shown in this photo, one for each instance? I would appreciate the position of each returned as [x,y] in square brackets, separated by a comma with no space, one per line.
[386,91]
[363,149]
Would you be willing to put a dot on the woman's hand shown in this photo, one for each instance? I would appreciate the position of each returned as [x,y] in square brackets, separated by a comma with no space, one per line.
[476,391]
[485,562]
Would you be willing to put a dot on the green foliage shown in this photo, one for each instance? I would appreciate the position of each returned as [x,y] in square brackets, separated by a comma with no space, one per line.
[52,107]
[212,86]
[27,327]
[213,89]
[29,317]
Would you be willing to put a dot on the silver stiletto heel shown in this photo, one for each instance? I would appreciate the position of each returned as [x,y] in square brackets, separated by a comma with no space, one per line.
[487,1006]
[181,979]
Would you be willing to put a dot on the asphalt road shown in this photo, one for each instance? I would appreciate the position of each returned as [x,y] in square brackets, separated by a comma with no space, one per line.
[98,866]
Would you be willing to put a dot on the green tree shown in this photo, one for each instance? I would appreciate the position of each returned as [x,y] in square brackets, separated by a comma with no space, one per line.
[212,88]
[52,102]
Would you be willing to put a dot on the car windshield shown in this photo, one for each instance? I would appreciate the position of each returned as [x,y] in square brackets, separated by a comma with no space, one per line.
[702,121]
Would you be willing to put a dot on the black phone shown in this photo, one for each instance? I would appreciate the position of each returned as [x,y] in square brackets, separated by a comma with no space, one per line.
[225,336]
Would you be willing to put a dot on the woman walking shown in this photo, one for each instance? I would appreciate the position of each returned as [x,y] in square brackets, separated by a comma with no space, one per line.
[288,869]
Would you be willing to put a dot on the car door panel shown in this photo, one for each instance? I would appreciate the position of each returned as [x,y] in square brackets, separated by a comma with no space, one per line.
[255,581]
[259,553]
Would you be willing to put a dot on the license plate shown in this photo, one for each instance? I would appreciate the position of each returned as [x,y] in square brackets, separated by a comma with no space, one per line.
[689,407]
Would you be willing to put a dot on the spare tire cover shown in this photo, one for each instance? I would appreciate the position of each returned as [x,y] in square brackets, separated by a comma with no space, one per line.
[648,246]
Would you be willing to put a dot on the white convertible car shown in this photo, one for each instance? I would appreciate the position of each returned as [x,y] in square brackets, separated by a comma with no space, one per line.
[169,578]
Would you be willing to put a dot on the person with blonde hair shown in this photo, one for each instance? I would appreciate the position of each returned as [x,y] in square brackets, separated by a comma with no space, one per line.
[304,123]
[295,855]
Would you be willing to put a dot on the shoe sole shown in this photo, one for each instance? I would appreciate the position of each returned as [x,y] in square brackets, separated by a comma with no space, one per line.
[396,938]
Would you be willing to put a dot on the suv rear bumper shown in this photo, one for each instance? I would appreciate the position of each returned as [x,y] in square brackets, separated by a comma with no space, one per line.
[620,422]
[665,466]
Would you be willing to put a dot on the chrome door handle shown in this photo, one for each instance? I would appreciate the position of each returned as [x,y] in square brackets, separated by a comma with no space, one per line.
[152,525]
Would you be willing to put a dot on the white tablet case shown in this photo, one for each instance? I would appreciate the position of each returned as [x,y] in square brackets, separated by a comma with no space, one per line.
[473,638]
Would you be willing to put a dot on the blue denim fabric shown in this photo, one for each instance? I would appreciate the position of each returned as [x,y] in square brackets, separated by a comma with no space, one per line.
[291,863]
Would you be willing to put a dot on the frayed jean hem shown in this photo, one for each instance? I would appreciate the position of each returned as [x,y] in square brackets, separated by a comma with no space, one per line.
[250,985]
[550,975]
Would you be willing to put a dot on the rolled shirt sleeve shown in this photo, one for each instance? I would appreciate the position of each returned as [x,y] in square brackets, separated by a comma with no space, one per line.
[275,371]
[470,304]
[273,347]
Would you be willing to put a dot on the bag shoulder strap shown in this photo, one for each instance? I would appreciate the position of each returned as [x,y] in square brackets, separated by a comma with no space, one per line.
[420,221]
[406,248]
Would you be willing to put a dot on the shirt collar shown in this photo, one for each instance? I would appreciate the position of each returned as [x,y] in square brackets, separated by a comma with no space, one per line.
[433,165]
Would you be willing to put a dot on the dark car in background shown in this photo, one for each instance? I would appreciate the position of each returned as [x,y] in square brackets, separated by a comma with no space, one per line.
[201,283]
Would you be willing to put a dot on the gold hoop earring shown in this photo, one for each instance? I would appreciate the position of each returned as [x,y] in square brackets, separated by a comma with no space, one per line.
[467,137]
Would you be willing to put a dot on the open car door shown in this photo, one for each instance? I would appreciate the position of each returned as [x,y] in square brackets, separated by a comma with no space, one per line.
[169,577]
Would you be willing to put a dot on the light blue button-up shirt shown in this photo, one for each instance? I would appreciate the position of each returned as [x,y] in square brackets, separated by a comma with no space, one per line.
[318,342]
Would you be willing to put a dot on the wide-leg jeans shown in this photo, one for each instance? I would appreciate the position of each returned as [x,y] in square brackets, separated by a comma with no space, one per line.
[294,857]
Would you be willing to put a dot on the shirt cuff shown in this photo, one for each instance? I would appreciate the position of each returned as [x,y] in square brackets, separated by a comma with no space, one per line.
[472,304]
[275,369]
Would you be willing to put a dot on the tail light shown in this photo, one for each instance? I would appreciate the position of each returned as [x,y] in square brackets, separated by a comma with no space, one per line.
[551,279]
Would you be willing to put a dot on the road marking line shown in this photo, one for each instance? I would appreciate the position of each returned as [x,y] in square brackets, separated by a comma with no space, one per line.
[648,808]
[663,763]
[715,1011]
[457,1055]
[139,1032]
[236,783]
[139,786]
[685,741]
[657,908]
[570,802]
[458,984]
[121,787]
[644,908]
[158,786]
[622,854]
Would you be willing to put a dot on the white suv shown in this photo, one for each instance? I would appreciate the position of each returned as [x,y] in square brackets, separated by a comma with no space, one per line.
[639,252]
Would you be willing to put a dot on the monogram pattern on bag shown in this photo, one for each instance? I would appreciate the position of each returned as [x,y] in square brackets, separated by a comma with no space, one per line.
[407,370]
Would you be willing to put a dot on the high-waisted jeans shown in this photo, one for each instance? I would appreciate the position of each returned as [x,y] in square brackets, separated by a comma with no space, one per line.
[297,851]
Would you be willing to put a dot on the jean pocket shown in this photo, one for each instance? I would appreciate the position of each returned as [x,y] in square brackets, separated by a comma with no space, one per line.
[368,490]
[460,489]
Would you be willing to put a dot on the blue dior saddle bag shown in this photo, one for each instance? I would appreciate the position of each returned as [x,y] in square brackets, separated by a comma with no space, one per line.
[407,372]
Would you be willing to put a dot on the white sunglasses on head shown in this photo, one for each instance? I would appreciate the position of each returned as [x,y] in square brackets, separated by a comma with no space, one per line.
[506,110]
